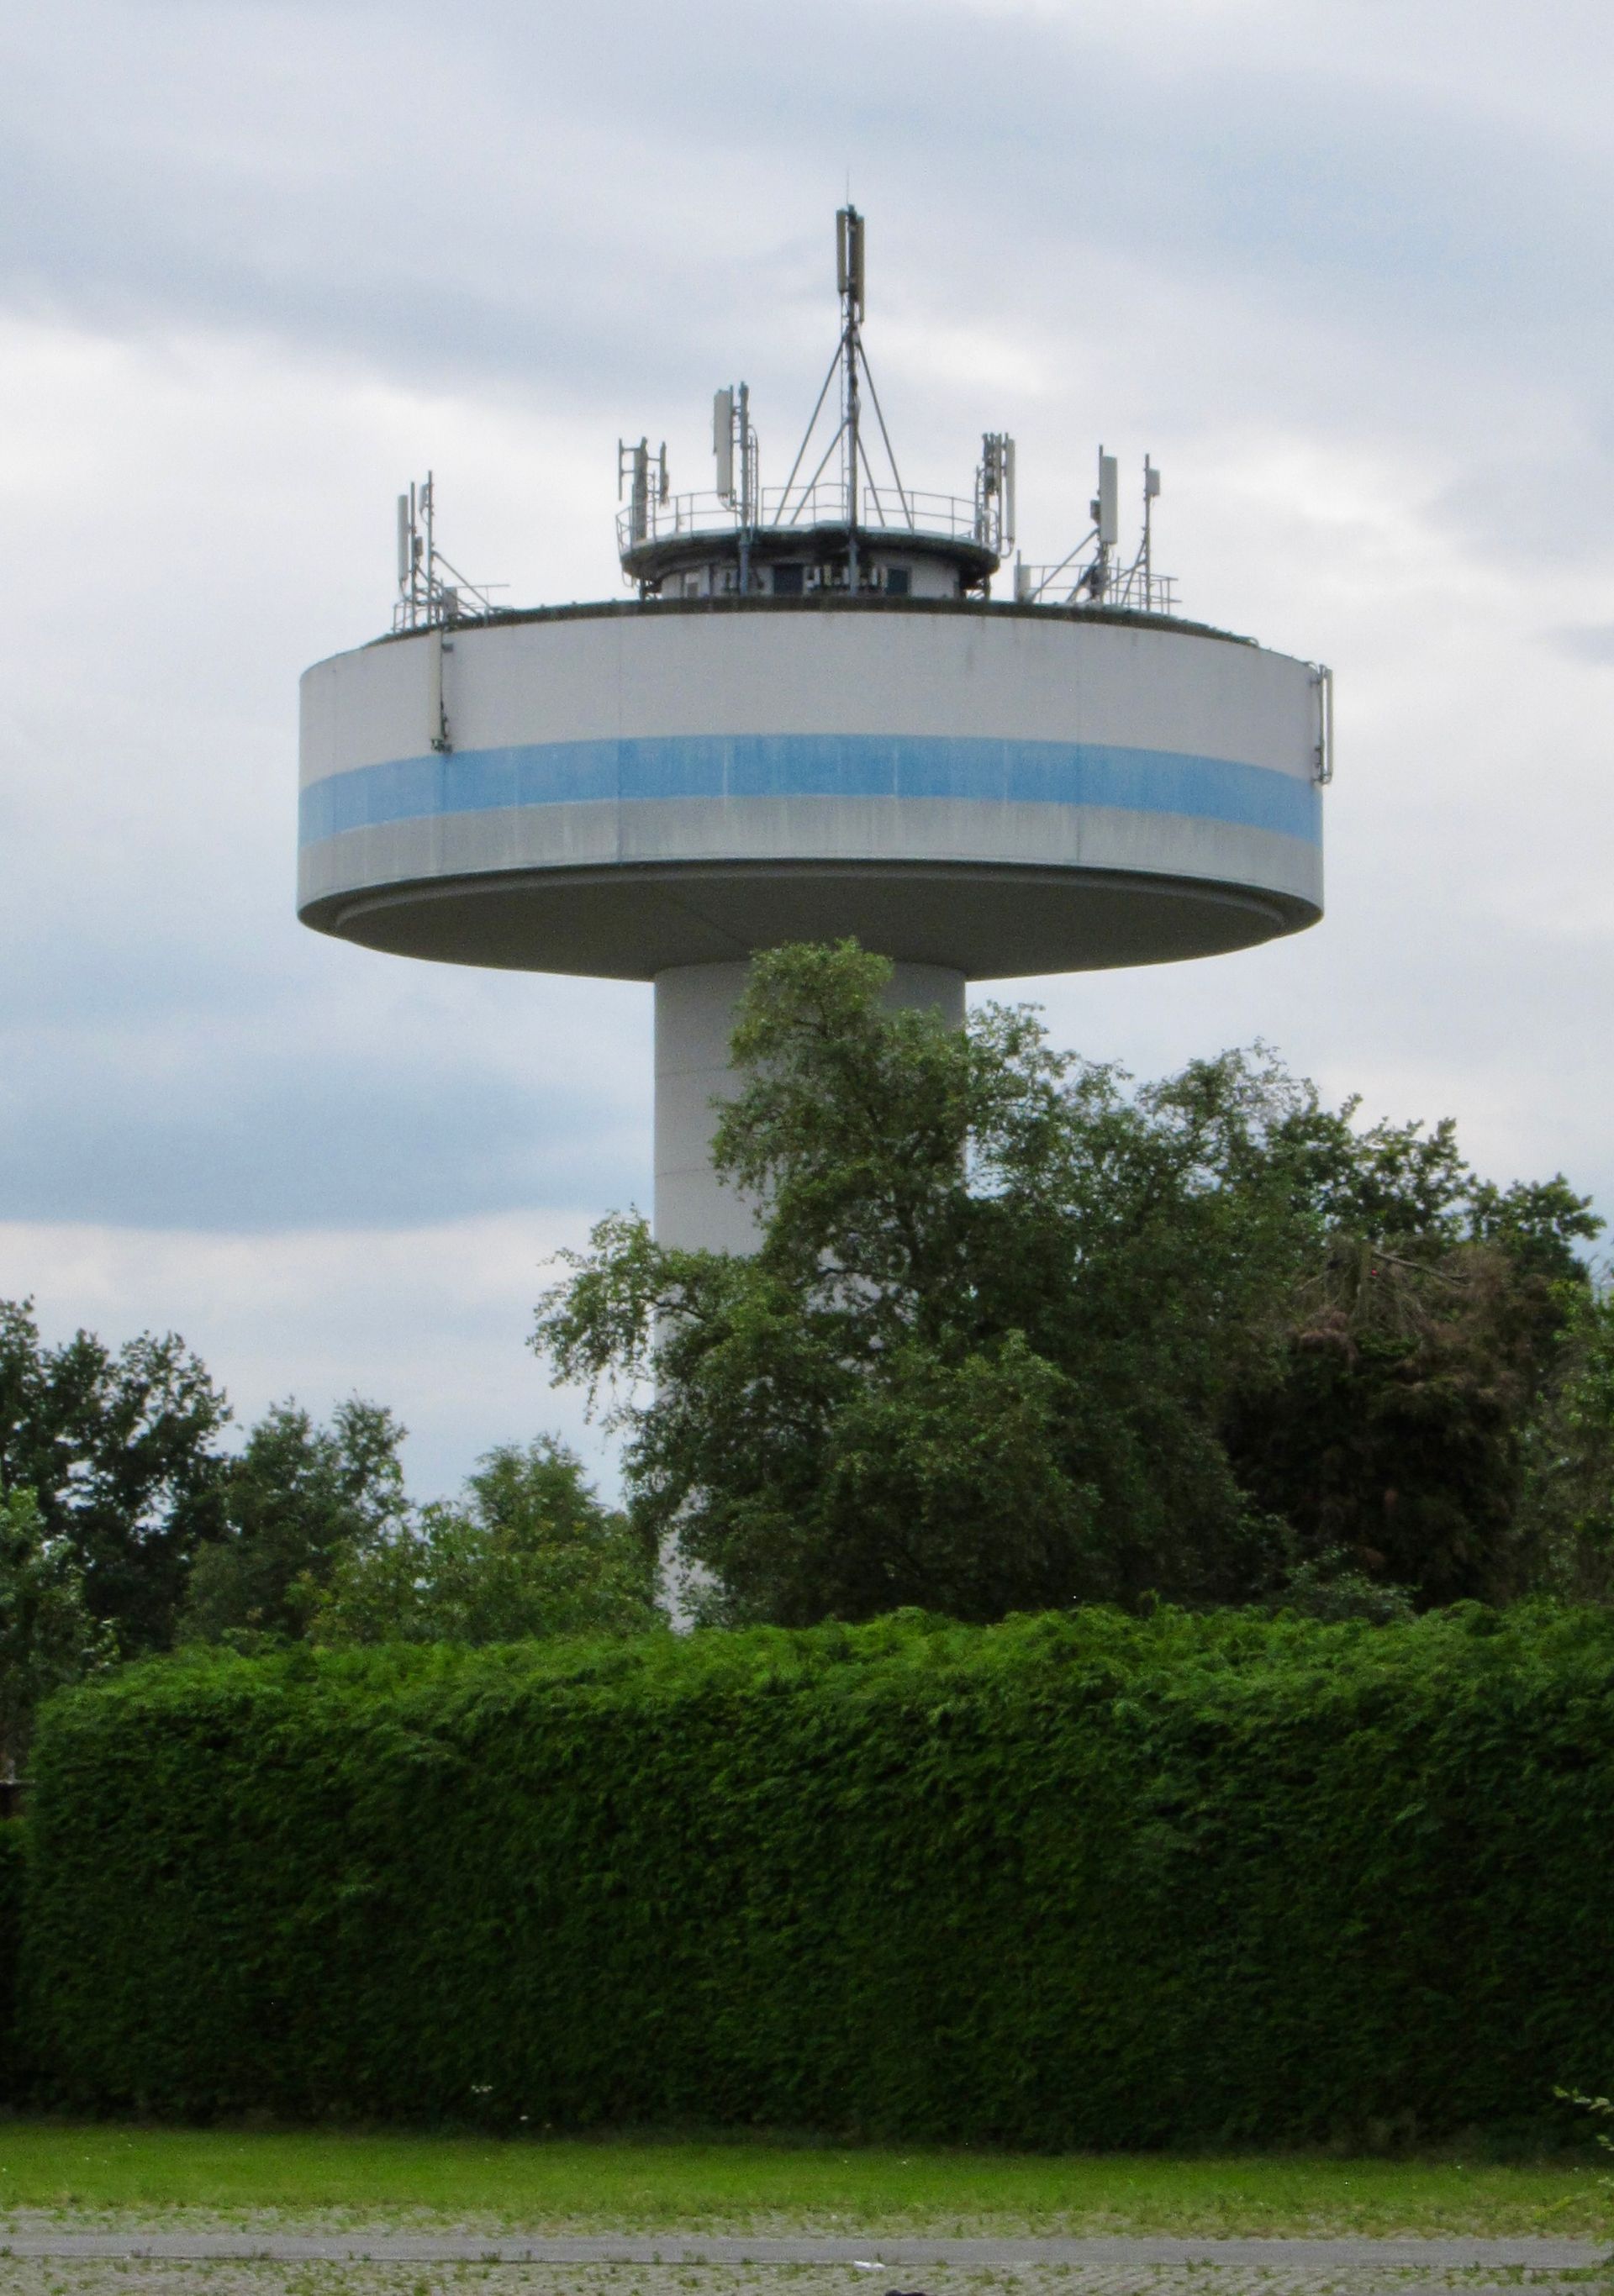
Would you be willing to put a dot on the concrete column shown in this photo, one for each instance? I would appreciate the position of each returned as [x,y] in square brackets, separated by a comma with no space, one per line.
[694,1022]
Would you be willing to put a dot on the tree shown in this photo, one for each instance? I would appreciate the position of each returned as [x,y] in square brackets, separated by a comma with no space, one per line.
[530,1552]
[1016,1335]
[978,1361]
[297,1498]
[48,1636]
[1420,1338]
[1395,1436]
[119,1448]
[1567,1504]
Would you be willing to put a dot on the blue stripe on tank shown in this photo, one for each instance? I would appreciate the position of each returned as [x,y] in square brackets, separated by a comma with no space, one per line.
[660,767]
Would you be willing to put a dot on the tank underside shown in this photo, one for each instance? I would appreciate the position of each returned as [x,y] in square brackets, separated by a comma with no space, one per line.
[633,922]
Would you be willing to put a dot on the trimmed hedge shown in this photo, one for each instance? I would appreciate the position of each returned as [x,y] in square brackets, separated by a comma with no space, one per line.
[13,1839]
[1078,1881]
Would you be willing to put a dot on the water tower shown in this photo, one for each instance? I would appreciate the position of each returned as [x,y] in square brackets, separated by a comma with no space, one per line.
[812,719]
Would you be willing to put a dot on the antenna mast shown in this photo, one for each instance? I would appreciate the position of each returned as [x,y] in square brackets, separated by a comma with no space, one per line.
[424,598]
[1151,488]
[861,489]
[734,446]
[849,278]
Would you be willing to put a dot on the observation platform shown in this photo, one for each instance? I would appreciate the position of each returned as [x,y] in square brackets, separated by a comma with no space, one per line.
[802,540]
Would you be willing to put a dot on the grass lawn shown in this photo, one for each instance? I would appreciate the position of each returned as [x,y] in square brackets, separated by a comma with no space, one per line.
[626,2184]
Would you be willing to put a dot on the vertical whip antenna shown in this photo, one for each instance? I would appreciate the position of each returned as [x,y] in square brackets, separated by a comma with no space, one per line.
[849,279]
[426,596]
[1151,488]
[734,443]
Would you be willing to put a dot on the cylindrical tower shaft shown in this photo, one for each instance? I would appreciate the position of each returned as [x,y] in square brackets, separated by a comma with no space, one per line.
[694,1013]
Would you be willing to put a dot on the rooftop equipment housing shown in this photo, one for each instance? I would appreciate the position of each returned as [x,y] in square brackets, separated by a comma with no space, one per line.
[812,719]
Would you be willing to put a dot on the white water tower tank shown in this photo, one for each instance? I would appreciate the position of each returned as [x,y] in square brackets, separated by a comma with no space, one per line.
[812,719]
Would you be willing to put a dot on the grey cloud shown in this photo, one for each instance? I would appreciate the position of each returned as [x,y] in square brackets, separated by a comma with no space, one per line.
[1592,641]
[203,1135]
[532,199]
[1524,500]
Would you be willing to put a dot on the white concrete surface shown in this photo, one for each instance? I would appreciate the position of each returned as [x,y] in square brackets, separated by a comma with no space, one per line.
[1006,790]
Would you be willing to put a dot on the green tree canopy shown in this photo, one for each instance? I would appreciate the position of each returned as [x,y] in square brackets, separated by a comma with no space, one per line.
[1568,1461]
[1017,1335]
[119,1446]
[530,1552]
[48,1637]
[297,1498]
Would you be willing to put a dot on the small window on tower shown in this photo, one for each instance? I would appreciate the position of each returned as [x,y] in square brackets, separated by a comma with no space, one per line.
[787,581]
[898,581]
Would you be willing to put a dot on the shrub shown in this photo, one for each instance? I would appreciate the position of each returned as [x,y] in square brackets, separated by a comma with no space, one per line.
[12,1873]
[1071,1881]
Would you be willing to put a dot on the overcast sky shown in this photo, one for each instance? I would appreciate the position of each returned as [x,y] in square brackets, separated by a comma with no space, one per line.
[1342,265]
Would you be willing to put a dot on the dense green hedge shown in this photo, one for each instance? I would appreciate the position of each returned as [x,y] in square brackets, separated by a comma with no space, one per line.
[1084,1881]
[12,1841]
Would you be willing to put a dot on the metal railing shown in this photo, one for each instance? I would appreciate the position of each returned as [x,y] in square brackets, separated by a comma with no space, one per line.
[880,510]
[1130,589]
